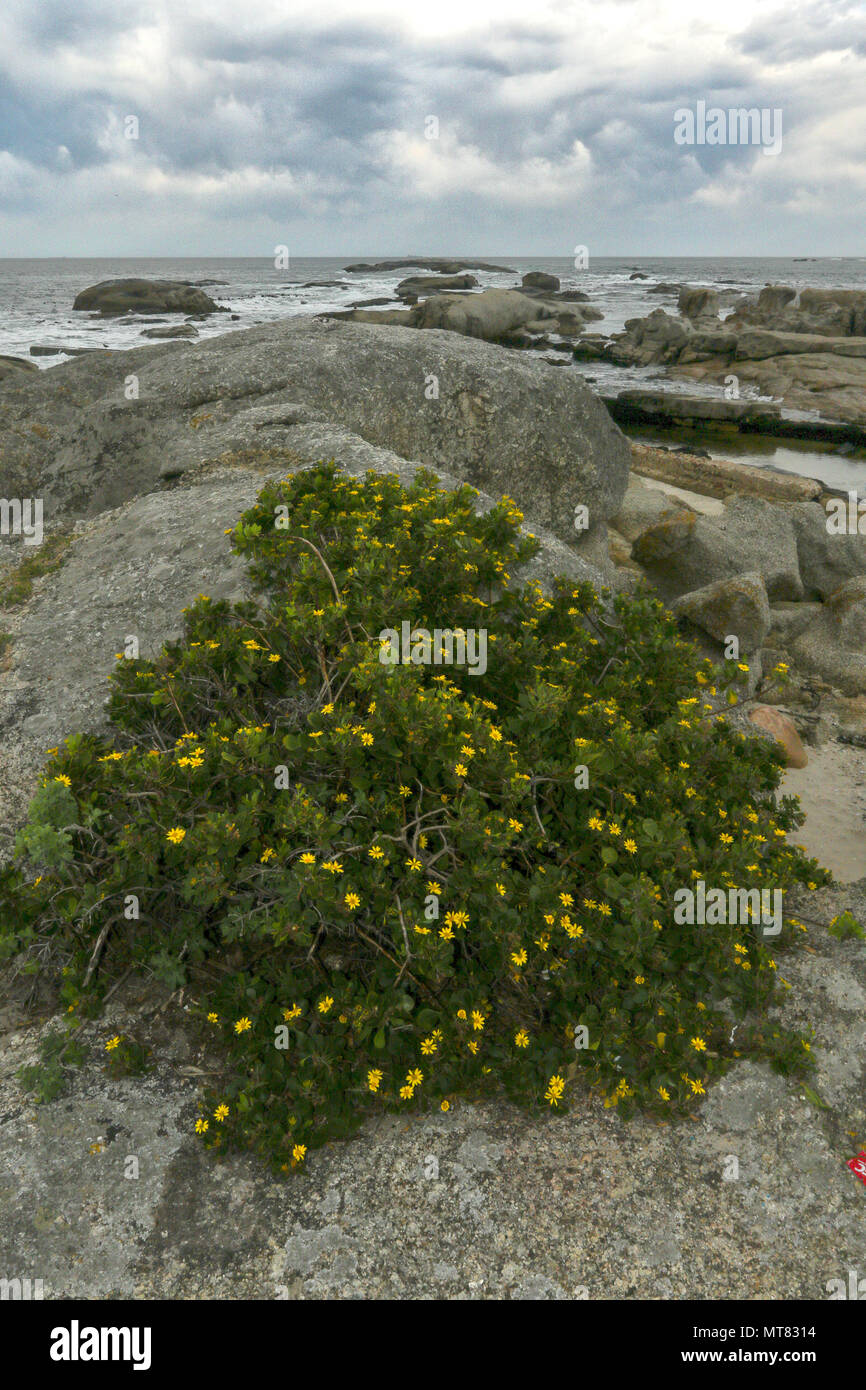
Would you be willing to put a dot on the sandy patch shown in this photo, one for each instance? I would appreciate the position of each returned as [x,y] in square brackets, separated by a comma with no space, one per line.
[832,792]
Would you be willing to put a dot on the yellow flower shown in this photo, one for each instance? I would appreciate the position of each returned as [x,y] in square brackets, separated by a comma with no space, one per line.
[325,1004]
[555,1088]
[213,1018]
[176,835]
[274,657]
[308,858]
[221,1112]
[376,852]
[665,1095]
[461,1013]
[414,865]
[299,1153]
[63,779]
[243,1025]
[201,1126]
[268,854]
[699,1045]
[630,846]
[352,900]
[460,769]
[521,1039]
[112,1044]
[446,1105]
[292,1013]
[519,957]
[415,1077]
[406,1092]
[640,980]
[374,1080]
[478,1020]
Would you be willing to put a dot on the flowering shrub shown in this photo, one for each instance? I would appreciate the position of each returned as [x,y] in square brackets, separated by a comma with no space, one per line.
[382,884]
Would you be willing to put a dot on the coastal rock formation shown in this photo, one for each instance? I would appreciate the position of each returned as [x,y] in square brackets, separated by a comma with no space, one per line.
[113,297]
[807,350]
[516,318]
[118,424]
[684,552]
[151,482]
[718,571]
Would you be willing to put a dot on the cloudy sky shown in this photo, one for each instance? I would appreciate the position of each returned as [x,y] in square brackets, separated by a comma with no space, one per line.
[267,122]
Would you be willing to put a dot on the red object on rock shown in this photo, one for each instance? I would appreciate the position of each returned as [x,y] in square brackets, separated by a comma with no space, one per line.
[858,1166]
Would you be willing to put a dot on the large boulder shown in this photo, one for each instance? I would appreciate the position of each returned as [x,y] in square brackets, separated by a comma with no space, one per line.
[698,303]
[112,297]
[501,420]
[834,645]
[783,730]
[827,560]
[729,608]
[683,552]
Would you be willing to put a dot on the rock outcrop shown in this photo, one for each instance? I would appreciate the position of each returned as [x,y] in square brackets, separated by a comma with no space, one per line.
[115,425]
[114,297]
[807,350]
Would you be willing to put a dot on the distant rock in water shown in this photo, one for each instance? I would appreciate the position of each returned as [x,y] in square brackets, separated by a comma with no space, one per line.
[112,297]
[430,263]
[49,350]
[180,330]
[539,280]
[417,285]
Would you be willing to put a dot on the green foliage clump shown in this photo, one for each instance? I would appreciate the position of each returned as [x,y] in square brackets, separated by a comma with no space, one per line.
[59,1051]
[384,885]
[16,586]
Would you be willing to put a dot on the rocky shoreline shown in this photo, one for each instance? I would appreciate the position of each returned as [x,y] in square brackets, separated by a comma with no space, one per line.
[144,482]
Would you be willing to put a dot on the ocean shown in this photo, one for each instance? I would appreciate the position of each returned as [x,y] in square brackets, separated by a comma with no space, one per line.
[36,298]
